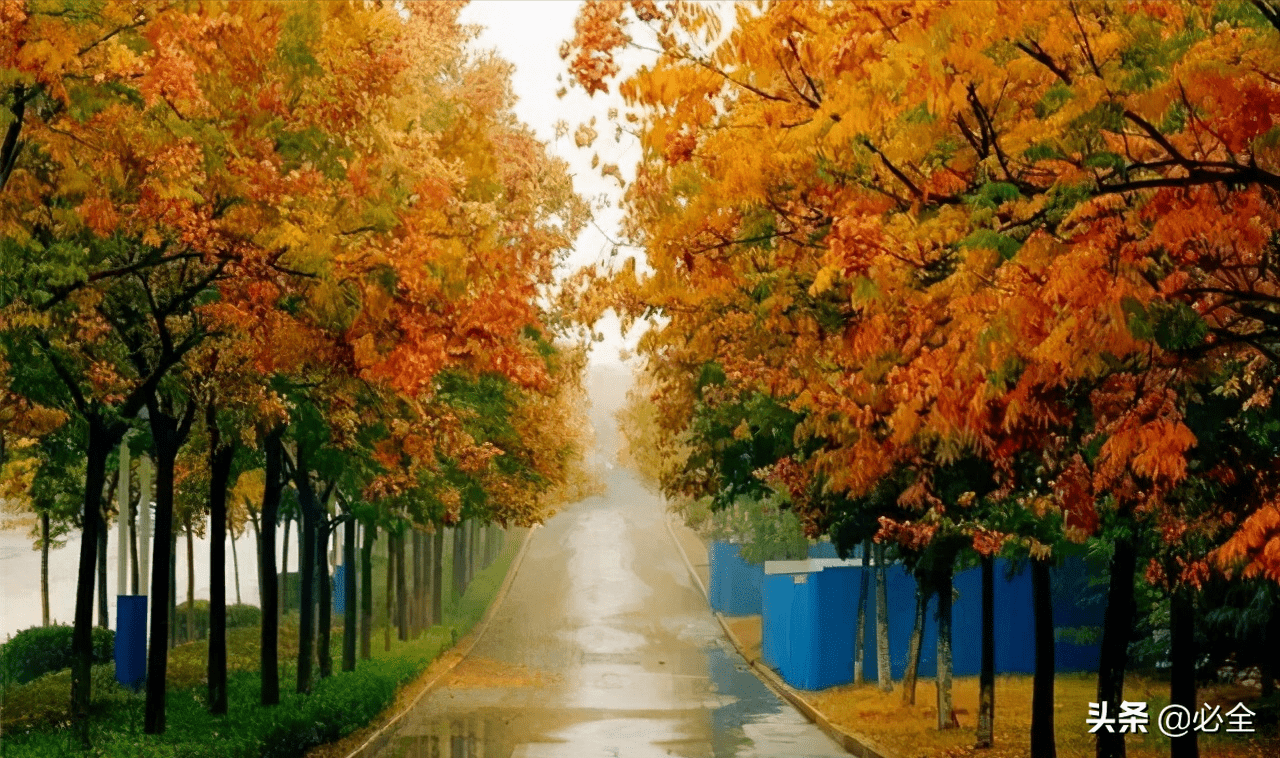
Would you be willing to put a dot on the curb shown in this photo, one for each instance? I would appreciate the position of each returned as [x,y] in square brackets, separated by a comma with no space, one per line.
[688,564]
[853,743]
[455,655]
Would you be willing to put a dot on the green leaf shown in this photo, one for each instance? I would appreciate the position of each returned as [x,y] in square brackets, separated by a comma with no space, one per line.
[1180,327]
[1003,244]
[1105,160]
[1137,318]
[1041,151]
[1054,98]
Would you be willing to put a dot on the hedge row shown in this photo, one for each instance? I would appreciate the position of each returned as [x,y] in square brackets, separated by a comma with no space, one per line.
[34,652]
[336,707]
[237,616]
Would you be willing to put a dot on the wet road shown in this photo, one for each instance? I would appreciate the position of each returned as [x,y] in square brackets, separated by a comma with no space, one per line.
[604,647]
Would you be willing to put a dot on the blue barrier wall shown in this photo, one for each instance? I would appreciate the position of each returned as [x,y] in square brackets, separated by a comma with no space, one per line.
[822,639]
[808,628]
[775,622]
[823,550]
[340,590]
[131,640]
[1015,627]
[735,584]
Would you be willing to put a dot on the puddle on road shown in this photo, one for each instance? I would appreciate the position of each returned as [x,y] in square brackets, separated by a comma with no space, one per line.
[728,714]
[478,673]
[546,735]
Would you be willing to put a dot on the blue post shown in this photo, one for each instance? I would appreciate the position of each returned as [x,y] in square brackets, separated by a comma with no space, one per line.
[131,640]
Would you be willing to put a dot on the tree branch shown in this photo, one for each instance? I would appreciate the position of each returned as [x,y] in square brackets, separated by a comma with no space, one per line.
[1040,55]
[10,148]
[73,387]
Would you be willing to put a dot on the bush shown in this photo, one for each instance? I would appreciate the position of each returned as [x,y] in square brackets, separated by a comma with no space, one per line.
[695,513]
[237,616]
[336,707]
[39,650]
[766,529]
[46,700]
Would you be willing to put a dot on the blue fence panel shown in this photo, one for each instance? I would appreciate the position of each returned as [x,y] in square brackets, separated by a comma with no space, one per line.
[339,590]
[735,584]
[775,621]
[1078,610]
[131,640]
[833,619]
[823,550]
[1015,622]
[1015,645]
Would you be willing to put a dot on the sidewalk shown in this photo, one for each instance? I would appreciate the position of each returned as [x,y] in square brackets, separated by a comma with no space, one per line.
[745,635]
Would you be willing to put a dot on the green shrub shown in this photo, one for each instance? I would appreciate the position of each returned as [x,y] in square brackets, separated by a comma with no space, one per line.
[766,529]
[46,700]
[237,616]
[37,651]
[695,513]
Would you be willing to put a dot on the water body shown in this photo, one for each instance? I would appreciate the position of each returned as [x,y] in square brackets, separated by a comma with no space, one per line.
[20,575]
[604,647]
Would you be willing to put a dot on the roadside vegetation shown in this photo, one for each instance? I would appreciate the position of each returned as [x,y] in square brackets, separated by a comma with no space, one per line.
[281,273]
[34,712]
[959,281]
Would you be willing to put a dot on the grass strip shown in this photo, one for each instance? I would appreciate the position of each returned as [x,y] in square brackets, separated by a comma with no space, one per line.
[35,718]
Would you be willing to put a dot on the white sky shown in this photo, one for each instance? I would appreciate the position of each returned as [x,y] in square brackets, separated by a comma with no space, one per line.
[528,33]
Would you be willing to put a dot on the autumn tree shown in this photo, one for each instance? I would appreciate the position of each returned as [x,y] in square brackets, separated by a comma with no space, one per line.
[1016,231]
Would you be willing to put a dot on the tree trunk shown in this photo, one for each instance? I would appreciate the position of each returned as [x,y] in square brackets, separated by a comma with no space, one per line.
[1043,744]
[474,566]
[191,581]
[284,570]
[349,632]
[946,718]
[883,665]
[391,584]
[324,587]
[133,546]
[437,577]
[402,601]
[308,540]
[472,528]
[459,559]
[860,636]
[987,677]
[1182,657]
[416,607]
[104,618]
[235,566]
[44,568]
[428,575]
[172,600]
[10,148]
[221,457]
[1117,624]
[257,543]
[168,432]
[101,439]
[366,591]
[1271,655]
[267,578]
[910,676]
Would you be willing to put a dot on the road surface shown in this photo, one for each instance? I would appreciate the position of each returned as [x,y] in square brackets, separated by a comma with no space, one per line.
[604,647]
